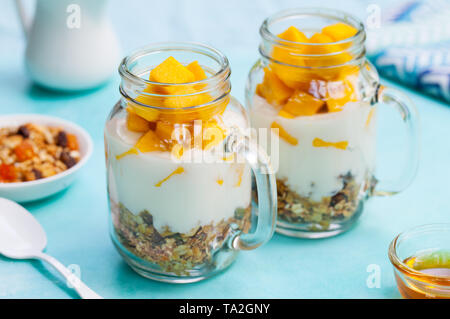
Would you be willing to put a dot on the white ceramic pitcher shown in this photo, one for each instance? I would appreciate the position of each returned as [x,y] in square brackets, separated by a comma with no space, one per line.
[70,44]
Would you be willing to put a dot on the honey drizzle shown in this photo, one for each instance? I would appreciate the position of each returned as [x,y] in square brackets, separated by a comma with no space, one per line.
[179,170]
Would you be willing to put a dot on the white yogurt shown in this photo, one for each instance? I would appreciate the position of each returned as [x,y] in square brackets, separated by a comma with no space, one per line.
[314,171]
[204,193]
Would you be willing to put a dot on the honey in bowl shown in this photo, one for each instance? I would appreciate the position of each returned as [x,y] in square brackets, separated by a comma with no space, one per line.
[435,281]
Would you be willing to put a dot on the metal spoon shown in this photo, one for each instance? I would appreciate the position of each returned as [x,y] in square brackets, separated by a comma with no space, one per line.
[22,237]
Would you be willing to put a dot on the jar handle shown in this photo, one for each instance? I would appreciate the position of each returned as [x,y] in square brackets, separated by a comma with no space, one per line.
[259,162]
[409,115]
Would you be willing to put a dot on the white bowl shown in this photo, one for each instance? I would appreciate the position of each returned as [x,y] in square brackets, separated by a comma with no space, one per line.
[33,190]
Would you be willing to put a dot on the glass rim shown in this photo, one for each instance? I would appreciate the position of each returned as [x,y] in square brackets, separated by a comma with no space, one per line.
[356,41]
[210,83]
[313,11]
[400,265]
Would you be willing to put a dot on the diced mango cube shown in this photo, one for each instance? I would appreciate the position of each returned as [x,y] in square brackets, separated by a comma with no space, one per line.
[326,49]
[320,38]
[285,114]
[339,93]
[206,112]
[339,31]
[171,71]
[273,89]
[188,100]
[72,142]
[148,113]
[290,55]
[136,123]
[197,70]
[294,35]
[294,77]
[302,104]
[164,130]
[149,142]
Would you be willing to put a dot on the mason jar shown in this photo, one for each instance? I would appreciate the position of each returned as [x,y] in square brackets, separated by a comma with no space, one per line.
[316,91]
[180,168]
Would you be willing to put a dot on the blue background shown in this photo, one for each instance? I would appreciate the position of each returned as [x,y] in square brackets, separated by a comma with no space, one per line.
[76,219]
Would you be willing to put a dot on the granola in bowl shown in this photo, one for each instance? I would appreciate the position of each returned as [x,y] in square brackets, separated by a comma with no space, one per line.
[40,155]
[32,151]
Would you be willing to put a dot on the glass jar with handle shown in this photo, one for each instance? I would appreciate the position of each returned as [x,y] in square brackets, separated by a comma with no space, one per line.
[179,165]
[315,89]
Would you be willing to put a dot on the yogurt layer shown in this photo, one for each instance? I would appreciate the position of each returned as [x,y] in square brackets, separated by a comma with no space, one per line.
[201,194]
[315,171]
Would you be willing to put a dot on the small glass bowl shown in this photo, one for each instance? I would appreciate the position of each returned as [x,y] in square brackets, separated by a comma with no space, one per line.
[416,242]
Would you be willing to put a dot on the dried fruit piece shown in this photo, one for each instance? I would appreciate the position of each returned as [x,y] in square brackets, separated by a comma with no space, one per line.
[68,160]
[284,134]
[24,131]
[72,142]
[37,173]
[24,151]
[302,104]
[7,172]
[179,170]
[61,139]
[136,123]
[317,142]
[273,89]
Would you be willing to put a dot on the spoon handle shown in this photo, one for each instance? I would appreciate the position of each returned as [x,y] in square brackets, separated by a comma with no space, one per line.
[84,291]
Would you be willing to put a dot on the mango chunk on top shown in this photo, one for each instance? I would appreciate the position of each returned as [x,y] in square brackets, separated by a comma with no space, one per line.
[289,86]
[136,123]
[158,125]
[302,104]
[197,71]
[273,89]
[340,93]
[171,71]
[294,35]
[339,31]
[188,100]
[149,142]
[288,55]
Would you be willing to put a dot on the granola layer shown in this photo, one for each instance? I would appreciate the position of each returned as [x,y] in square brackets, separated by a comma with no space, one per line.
[174,252]
[298,209]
